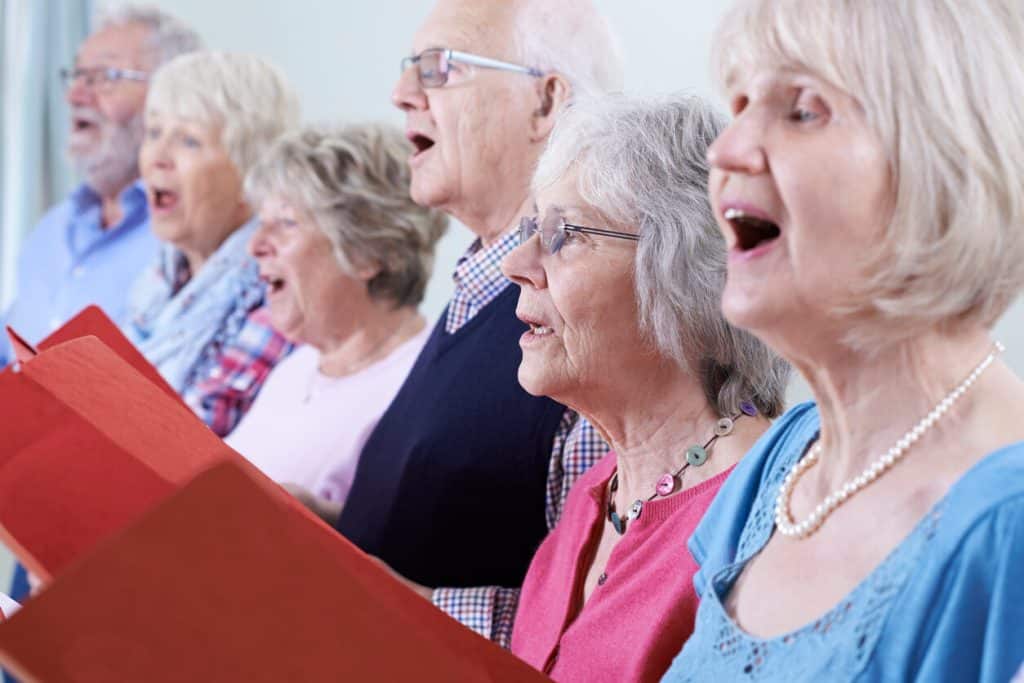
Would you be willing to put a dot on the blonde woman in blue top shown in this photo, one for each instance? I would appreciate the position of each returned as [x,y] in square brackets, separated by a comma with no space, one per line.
[870,190]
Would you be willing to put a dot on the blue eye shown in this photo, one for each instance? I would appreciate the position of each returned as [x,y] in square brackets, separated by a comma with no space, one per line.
[152,133]
[801,115]
[189,141]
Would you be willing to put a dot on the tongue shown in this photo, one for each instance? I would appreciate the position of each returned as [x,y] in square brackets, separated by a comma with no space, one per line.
[166,200]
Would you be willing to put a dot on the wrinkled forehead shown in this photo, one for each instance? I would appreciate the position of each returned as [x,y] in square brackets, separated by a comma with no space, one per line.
[485,28]
[125,45]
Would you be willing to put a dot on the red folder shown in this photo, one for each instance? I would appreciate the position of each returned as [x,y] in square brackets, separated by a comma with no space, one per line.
[90,439]
[226,581]
[92,321]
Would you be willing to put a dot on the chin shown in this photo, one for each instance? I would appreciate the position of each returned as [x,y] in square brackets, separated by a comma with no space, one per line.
[425,191]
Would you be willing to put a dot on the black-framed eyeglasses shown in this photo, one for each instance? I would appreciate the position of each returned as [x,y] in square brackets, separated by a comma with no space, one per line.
[434,65]
[553,231]
[101,76]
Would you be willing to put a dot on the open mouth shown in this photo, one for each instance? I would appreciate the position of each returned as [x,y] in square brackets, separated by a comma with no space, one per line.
[164,199]
[420,142]
[536,328]
[751,231]
[82,125]
[274,284]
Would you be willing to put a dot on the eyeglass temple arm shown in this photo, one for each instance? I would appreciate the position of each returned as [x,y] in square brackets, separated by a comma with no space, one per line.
[492,63]
[599,231]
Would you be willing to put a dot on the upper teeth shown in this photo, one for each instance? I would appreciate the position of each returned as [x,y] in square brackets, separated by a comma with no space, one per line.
[732,214]
[540,329]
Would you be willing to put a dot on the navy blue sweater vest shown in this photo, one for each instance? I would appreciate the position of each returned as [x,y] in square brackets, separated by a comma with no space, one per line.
[450,487]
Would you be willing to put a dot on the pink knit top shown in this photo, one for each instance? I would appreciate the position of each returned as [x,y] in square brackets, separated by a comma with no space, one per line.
[642,610]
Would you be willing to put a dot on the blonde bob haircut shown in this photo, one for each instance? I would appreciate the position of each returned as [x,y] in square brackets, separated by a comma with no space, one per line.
[245,96]
[940,83]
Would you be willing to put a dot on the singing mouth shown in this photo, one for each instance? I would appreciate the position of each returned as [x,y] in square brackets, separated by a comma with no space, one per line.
[751,231]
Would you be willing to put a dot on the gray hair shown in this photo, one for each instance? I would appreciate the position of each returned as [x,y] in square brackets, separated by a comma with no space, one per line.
[354,180]
[953,252]
[169,36]
[572,38]
[642,163]
[246,96]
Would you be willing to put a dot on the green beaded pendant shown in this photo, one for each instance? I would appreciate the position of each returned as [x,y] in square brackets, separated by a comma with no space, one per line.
[617,524]
[696,456]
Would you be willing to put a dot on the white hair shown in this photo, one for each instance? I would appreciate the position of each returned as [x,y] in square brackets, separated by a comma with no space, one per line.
[169,36]
[940,84]
[243,94]
[642,164]
[354,181]
[572,38]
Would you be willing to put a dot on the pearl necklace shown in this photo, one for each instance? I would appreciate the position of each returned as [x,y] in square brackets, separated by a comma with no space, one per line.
[784,521]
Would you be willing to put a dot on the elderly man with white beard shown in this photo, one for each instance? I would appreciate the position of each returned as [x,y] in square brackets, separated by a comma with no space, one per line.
[89,248]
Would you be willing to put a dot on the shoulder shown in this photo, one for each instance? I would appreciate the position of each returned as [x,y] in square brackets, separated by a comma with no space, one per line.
[960,615]
[987,503]
[715,541]
[49,227]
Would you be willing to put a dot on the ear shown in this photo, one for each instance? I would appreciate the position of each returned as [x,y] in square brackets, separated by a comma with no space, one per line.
[554,93]
[367,271]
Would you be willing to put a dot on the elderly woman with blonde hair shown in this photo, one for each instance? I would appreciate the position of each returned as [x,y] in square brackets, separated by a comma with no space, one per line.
[870,191]
[346,254]
[208,118]
[620,276]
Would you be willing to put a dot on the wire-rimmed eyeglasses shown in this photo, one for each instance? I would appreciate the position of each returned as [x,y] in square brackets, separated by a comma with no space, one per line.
[553,231]
[100,76]
[433,65]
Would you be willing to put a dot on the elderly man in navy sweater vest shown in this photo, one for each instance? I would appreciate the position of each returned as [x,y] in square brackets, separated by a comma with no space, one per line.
[466,472]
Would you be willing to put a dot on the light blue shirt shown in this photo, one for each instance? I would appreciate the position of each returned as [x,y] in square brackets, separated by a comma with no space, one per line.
[947,604]
[70,261]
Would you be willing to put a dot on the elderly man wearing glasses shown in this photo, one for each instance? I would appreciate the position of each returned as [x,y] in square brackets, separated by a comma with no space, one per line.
[89,248]
[466,472]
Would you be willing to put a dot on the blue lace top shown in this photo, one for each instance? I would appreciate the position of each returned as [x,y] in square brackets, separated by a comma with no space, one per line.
[946,604]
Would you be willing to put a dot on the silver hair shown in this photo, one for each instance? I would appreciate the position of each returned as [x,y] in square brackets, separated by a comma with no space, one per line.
[642,163]
[572,38]
[354,180]
[169,36]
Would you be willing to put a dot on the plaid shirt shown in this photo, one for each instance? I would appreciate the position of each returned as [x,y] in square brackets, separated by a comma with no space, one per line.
[223,392]
[491,610]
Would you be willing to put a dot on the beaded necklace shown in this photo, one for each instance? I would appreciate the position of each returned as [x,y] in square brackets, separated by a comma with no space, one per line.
[668,483]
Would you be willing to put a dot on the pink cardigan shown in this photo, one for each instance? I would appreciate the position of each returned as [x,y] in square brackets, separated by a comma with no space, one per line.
[639,616]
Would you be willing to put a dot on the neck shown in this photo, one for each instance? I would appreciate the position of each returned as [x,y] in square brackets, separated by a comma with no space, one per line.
[868,401]
[111,211]
[380,330]
[490,223]
[651,428]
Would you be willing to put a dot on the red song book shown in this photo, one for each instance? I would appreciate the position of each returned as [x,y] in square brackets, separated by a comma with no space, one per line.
[228,581]
[175,559]
[91,437]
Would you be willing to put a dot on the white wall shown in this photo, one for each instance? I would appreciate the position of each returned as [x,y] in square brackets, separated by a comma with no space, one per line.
[343,58]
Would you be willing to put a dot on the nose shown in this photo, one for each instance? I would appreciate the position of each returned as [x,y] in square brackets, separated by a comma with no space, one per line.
[79,94]
[524,266]
[740,147]
[260,245]
[408,94]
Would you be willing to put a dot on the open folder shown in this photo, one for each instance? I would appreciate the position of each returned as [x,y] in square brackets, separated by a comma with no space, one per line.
[176,560]
[90,438]
[225,582]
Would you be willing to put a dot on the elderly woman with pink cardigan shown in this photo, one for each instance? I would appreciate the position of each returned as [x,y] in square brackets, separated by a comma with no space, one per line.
[621,272]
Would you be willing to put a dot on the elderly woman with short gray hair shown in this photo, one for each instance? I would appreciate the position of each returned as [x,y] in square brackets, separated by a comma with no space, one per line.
[346,254]
[621,273]
[208,118]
